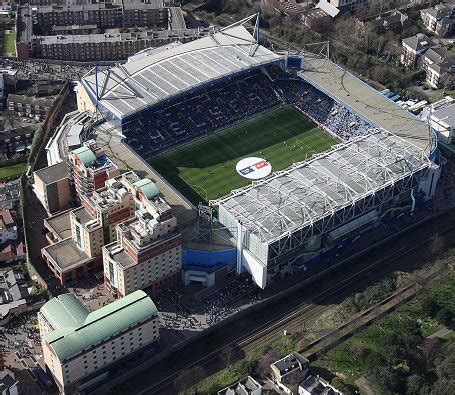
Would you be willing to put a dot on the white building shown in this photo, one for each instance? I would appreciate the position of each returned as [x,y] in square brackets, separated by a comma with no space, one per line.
[441,117]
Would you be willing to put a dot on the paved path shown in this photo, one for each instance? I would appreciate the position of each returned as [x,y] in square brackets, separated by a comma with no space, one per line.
[440,333]
[363,385]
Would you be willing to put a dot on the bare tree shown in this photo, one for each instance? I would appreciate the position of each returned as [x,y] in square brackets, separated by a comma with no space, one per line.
[227,354]
[11,118]
[187,378]
[437,243]
[267,359]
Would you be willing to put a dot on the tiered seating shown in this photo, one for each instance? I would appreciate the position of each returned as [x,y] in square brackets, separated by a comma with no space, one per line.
[230,101]
[195,115]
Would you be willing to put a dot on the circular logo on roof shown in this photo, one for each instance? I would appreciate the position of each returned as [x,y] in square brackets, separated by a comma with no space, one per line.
[253,168]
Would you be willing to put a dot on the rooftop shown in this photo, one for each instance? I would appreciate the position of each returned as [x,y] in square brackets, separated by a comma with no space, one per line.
[308,191]
[54,173]
[6,382]
[142,83]
[147,187]
[9,194]
[6,219]
[83,216]
[290,363]
[66,255]
[32,100]
[116,37]
[418,42]
[77,330]
[60,224]
[364,100]
[315,385]
[243,387]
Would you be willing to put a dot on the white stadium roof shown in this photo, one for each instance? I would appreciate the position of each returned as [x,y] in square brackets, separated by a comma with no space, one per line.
[137,85]
[308,191]
[364,100]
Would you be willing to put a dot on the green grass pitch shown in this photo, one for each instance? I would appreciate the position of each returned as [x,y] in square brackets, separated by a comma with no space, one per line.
[205,169]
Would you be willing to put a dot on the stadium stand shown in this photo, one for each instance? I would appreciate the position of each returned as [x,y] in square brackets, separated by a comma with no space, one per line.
[232,101]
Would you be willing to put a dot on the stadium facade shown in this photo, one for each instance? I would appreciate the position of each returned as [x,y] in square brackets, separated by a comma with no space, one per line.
[297,215]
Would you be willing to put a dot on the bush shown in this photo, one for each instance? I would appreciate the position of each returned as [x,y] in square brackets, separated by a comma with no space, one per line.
[444,316]
[430,307]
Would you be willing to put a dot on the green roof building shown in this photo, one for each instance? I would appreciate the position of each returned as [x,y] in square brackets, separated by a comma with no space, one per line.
[79,344]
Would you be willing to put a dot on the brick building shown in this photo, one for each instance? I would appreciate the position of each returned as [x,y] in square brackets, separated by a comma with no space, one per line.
[147,253]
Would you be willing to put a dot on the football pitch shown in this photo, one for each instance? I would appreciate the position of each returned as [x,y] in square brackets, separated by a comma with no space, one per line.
[205,169]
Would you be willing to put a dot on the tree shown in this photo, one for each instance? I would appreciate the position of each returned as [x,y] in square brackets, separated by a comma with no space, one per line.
[227,354]
[414,384]
[359,350]
[187,378]
[267,359]
[430,350]
[436,244]
[430,306]
[444,316]
[11,118]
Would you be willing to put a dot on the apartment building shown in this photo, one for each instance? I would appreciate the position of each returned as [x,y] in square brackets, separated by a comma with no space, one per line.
[81,347]
[147,253]
[29,106]
[133,13]
[106,16]
[421,52]
[88,228]
[89,168]
[413,47]
[52,187]
[105,46]
[439,19]
[349,5]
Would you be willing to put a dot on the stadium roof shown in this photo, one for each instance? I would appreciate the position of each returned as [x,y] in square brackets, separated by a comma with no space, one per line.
[308,191]
[142,83]
[364,100]
[75,329]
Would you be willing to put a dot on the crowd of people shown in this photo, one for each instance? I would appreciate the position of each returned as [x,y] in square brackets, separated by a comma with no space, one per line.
[332,115]
[200,114]
[228,102]
[219,303]
[197,311]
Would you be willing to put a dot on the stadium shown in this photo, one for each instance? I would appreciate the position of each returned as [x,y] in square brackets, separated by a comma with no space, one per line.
[296,156]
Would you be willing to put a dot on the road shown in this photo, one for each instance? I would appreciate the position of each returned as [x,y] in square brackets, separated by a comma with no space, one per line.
[403,254]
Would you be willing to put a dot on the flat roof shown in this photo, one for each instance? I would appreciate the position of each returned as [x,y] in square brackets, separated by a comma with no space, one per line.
[53,173]
[61,224]
[66,255]
[82,215]
[445,115]
[137,85]
[364,100]
[310,190]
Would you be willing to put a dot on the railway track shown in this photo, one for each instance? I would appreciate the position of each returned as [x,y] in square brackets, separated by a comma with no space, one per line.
[291,320]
